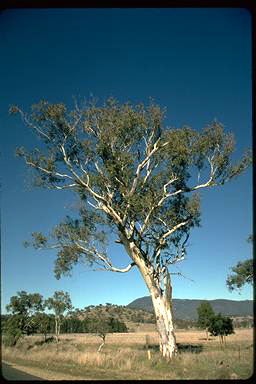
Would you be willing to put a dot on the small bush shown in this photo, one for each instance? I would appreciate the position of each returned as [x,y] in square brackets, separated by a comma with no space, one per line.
[10,339]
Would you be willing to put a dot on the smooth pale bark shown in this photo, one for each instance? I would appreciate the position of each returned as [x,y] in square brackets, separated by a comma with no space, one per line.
[164,321]
[103,343]
[57,328]
[161,301]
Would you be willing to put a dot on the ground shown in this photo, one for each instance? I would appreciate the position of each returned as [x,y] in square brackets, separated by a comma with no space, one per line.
[125,356]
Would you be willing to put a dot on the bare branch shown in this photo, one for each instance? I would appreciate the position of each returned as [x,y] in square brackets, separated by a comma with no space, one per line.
[144,163]
[47,171]
[175,260]
[181,274]
[210,181]
[64,186]
[168,233]
[28,122]
[104,259]
[105,206]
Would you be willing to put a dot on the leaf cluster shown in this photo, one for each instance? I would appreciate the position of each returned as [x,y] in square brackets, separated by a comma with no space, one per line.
[205,314]
[25,303]
[221,325]
[59,303]
[242,274]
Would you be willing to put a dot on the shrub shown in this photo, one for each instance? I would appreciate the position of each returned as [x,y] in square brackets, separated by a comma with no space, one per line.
[221,326]
[11,337]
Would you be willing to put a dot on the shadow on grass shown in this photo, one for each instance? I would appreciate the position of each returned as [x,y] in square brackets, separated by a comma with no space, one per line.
[194,348]
[41,342]
[46,341]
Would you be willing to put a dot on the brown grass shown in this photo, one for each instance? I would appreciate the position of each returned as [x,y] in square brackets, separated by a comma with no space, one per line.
[182,336]
[124,356]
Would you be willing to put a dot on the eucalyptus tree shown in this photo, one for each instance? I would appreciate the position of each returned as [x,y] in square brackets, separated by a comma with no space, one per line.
[133,175]
[59,303]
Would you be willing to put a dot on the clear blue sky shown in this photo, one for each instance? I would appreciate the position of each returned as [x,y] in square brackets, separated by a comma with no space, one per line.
[196,62]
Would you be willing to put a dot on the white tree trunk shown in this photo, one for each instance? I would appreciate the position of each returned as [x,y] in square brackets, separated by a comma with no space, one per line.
[57,328]
[164,322]
[161,301]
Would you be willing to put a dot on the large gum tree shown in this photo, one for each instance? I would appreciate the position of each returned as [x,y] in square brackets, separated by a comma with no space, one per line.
[131,174]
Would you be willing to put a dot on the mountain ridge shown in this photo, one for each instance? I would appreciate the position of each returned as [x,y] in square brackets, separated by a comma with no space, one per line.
[186,309]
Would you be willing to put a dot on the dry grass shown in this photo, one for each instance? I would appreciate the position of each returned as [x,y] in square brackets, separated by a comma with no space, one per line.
[124,356]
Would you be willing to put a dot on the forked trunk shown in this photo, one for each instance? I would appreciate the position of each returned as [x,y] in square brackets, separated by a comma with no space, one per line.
[161,299]
[103,337]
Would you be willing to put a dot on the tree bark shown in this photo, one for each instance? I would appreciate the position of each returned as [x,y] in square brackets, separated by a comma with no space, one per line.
[103,343]
[161,300]
[57,329]
[164,322]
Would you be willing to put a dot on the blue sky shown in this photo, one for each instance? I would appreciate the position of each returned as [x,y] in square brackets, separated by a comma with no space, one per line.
[196,62]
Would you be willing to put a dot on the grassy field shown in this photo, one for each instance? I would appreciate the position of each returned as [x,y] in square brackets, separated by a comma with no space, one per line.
[125,356]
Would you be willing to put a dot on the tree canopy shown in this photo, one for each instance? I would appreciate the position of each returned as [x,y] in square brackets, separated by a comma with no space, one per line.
[205,312]
[221,326]
[25,303]
[131,173]
[59,303]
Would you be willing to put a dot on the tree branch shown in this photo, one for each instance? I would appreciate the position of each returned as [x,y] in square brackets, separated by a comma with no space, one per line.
[168,233]
[26,120]
[143,164]
[107,263]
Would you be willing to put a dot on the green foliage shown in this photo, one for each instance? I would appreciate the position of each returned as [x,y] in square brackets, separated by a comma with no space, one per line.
[116,325]
[205,313]
[221,326]
[242,273]
[24,308]
[12,330]
[103,325]
[43,323]
[73,325]
[25,303]
[59,303]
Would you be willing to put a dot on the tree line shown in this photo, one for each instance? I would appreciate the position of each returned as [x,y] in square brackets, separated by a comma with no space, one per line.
[27,317]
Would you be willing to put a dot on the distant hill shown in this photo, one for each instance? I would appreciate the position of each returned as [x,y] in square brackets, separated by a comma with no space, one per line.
[187,309]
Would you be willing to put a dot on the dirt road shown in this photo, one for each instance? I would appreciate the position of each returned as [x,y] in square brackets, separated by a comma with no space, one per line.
[10,373]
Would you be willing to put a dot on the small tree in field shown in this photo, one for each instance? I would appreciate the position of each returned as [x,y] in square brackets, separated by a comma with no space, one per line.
[102,325]
[205,313]
[221,326]
[242,273]
[134,176]
[59,303]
